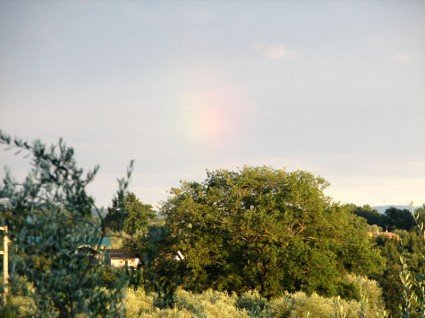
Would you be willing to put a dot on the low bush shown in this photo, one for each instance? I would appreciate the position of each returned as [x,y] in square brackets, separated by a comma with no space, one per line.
[217,304]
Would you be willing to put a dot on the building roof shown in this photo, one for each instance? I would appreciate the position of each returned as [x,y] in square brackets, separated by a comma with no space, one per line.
[386,234]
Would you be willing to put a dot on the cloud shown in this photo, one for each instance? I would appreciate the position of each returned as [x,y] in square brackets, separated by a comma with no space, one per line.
[401,57]
[276,51]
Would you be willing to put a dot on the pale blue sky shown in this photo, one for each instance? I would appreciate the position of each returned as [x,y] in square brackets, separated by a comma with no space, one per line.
[333,87]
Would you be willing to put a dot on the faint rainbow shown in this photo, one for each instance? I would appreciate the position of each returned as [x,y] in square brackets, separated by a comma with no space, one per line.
[209,108]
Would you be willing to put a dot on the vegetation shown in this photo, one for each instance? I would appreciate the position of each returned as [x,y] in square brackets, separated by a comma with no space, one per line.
[267,230]
[50,218]
[413,300]
[372,216]
[393,218]
[405,258]
[412,249]
[132,219]
[256,242]
[211,303]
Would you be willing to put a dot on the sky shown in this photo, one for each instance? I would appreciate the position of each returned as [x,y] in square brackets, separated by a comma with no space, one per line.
[336,88]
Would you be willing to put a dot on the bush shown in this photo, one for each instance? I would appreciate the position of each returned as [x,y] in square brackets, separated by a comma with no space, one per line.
[208,304]
[254,304]
[368,290]
[18,306]
[250,304]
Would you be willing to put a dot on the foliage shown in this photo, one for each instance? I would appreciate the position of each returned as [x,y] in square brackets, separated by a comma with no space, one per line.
[161,277]
[18,306]
[50,218]
[393,218]
[258,232]
[133,225]
[419,215]
[371,215]
[254,304]
[267,230]
[411,249]
[369,291]
[208,304]
[413,284]
[212,304]
[135,218]
[399,219]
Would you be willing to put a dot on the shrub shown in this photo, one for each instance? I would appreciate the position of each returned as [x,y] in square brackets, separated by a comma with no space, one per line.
[211,304]
[254,304]
[208,304]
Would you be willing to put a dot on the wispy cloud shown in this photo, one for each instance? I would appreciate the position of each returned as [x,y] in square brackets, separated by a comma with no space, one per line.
[276,51]
[401,57]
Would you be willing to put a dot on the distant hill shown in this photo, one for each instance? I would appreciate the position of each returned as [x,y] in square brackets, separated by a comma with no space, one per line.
[382,208]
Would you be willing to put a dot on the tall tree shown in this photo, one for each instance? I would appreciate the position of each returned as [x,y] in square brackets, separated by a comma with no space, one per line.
[133,218]
[265,229]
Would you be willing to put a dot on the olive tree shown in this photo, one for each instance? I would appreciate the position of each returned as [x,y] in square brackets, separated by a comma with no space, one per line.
[50,218]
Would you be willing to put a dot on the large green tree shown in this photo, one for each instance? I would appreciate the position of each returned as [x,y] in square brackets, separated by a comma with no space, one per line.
[265,229]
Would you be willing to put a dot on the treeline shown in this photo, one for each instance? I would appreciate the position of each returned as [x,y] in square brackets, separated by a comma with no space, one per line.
[254,230]
[392,219]
[269,242]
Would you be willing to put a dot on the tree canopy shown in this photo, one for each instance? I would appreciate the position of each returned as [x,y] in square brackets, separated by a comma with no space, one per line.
[265,229]
[401,219]
[133,218]
[392,219]
[372,216]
